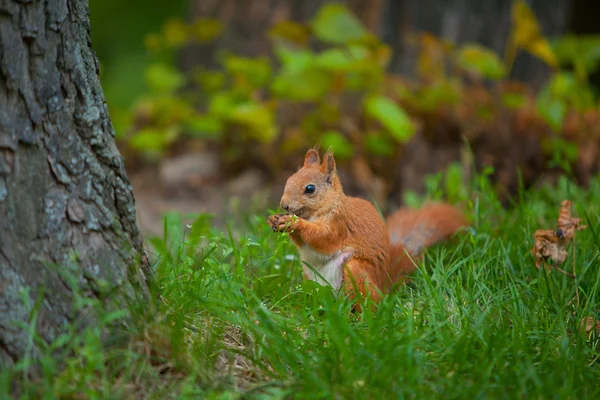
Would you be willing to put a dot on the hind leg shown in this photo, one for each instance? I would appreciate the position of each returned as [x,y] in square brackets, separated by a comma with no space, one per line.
[358,283]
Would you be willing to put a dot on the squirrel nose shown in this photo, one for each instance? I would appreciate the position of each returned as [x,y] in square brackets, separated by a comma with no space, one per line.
[284,202]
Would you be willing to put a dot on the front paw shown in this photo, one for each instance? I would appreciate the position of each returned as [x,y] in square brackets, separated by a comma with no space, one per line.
[273,221]
[281,222]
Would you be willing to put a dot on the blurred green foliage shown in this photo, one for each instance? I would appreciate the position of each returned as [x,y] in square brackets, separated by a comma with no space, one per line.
[246,96]
[327,82]
[118,34]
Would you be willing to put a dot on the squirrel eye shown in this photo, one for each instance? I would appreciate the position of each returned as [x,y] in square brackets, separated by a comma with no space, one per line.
[309,189]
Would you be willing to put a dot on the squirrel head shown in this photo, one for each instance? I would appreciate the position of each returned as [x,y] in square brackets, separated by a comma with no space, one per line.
[315,189]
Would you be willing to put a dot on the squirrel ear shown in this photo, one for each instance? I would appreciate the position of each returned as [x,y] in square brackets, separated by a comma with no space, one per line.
[311,158]
[328,166]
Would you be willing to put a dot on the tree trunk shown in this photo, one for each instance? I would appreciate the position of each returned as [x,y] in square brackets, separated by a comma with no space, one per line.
[66,206]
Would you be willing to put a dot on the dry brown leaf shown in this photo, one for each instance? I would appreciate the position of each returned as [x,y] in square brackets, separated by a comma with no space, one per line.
[567,225]
[552,244]
[548,246]
[589,323]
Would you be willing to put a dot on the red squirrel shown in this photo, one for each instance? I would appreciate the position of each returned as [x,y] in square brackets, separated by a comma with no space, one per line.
[344,242]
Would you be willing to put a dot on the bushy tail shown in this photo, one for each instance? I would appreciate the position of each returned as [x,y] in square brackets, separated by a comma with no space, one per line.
[412,230]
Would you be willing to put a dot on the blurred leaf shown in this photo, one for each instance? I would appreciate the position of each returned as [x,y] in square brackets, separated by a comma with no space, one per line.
[379,145]
[583,99]
[570,47]
[222,103]
[481,61]
[306,85]
[291,32]
[363,80]
[527,33]
[432,56]
[153,140]
[342,147]
[205,30]
[399,88]
[205,125]
[170,110]
[253,71]
[566,48]
[411,199]
[175,32]
[342,60]
[581,51]
[298,79]
[542,50]
[525,23]
[258,118]
[209,81]
[163,111]
[484,111]
[564,85]
[439,93]
[335,23]
[551,109]
[163,78]
[513,100]
[294,61]
[382,55]
[392,117]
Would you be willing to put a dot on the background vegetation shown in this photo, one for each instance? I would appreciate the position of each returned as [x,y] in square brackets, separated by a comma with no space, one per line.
[326,80]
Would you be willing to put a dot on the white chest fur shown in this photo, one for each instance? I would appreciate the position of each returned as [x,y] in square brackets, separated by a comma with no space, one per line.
[325,269]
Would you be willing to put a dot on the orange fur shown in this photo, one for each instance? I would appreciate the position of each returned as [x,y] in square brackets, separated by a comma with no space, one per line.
[346,240]
[413,230]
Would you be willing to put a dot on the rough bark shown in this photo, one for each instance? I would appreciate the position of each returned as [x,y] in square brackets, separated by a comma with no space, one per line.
[66,205]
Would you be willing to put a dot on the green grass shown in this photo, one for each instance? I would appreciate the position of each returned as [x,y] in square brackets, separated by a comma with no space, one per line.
[235,320]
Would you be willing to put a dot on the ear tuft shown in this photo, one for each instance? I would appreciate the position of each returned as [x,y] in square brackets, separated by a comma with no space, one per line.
[328,166]
[311,158]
